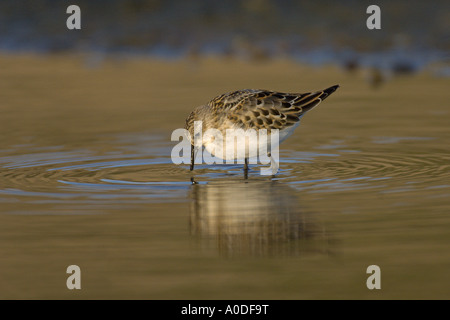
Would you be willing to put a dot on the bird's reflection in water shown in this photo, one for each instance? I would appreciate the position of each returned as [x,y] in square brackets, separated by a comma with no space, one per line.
[254,218]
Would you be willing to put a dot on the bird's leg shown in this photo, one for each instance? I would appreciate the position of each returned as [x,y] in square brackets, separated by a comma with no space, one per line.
[246,168]
[192,157]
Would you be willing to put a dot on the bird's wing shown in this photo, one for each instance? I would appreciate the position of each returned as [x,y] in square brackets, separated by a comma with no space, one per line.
[264,109]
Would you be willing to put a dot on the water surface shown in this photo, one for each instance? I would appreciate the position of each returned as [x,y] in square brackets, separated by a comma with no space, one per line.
[86,178]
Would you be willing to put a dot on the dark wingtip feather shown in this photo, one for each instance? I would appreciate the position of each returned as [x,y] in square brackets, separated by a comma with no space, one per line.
[330,90]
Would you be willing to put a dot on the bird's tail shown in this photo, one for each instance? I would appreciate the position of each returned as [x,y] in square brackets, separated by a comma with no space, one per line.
[328,91]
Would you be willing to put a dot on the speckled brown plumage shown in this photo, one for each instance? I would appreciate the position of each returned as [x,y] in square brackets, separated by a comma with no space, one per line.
[256,109]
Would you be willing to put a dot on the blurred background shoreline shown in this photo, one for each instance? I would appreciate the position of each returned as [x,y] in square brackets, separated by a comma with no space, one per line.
[412,37]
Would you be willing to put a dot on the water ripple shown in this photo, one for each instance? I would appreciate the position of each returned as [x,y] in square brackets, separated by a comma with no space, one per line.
[137,175]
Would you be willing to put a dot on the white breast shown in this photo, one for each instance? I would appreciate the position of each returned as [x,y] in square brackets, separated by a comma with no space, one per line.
[245,145]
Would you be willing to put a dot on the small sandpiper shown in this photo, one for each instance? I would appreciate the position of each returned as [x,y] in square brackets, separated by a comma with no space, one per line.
[252,109]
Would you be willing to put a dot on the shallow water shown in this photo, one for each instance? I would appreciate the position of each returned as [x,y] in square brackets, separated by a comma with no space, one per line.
[85,181]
